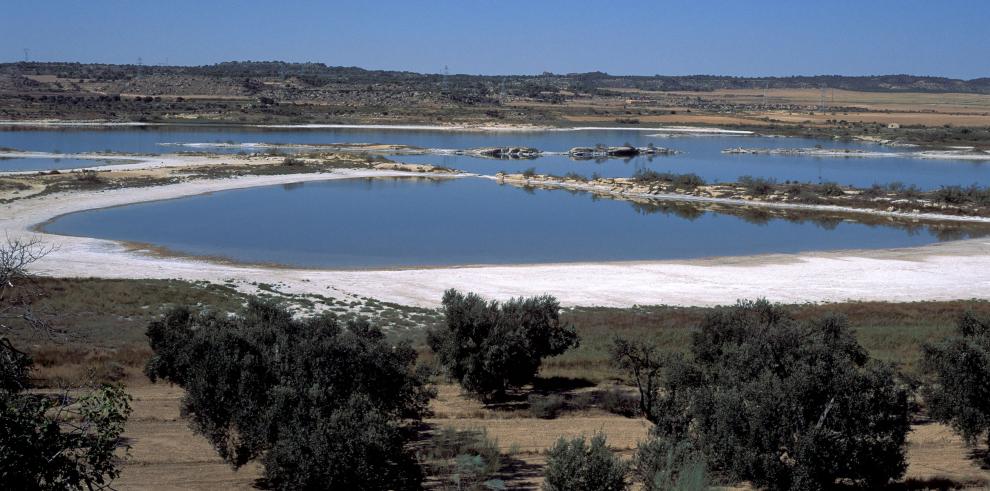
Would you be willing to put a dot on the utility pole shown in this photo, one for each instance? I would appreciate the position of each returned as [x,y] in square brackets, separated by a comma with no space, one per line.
[766,87]
[501,93]
[824,90]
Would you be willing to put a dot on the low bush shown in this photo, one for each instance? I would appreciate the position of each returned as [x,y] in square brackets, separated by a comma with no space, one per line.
[545,407]
[663,465]
[757,186]
[618,401]
[874,191]
[88,177]
[685,181]
[688,181]
[577,465]
[958,195]
[467,458]
[830,189]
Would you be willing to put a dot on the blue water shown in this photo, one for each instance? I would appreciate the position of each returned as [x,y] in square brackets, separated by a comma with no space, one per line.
[32,164]
[700,154]
[376,223]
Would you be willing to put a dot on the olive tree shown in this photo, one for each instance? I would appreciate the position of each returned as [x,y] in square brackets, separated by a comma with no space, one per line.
[323,404]
[958,369]
[783,404]
[490,347]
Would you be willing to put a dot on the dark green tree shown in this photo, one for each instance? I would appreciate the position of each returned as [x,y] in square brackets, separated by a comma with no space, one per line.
[579,465]
[783,404]
[322,404]
[958,369]
[490,347]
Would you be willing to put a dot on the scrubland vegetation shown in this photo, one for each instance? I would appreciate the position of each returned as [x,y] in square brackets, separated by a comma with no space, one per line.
[783,397]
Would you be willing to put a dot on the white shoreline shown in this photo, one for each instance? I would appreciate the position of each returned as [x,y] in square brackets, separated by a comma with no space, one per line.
[128,162]
[454,127]
[950,154]
[945,271]
[624,194]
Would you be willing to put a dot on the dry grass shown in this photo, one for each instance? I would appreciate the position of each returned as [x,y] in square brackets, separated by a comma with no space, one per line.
[166,454]
[892,332]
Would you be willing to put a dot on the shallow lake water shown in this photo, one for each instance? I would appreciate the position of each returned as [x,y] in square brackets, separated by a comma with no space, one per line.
[699,154]
[380,223]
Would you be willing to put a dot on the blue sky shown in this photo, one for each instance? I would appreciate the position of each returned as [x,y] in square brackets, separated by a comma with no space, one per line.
[729,37]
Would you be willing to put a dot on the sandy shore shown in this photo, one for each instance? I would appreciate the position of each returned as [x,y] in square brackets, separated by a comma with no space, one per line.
[950,270]
[126,162]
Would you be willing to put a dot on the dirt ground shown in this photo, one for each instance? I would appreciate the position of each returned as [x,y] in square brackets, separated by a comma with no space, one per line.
[165,454]
[904,108]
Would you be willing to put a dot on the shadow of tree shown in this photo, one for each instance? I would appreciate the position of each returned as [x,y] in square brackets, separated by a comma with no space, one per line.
[519,474]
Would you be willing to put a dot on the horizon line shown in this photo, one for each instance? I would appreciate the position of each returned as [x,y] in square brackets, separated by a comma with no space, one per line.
[545,73]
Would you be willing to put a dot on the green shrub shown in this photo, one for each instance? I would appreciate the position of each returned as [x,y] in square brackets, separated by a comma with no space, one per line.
[576,465]
[617,401]
[644,175]
[466,458]
[958,370]
[757,186]
[783,404]
[663,465]
[489,347]
[530,172]
[322,404]
[545,407]
[831,189]
[686,181]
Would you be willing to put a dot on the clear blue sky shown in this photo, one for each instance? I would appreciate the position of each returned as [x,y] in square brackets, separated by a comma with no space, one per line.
[728,37]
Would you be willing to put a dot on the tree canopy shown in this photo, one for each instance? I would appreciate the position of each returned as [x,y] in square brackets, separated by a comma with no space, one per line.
[323,404]
[786,405]
[958,367]
[490,347]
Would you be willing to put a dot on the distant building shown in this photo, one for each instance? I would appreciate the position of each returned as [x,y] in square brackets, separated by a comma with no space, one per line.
[894,126]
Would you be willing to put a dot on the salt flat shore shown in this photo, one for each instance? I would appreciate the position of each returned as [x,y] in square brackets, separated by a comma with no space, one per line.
[418,127]
[950,270]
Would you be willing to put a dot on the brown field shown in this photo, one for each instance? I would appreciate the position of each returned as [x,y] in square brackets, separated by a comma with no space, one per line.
[904,108]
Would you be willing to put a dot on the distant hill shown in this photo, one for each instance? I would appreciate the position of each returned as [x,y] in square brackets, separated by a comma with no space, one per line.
[318,74]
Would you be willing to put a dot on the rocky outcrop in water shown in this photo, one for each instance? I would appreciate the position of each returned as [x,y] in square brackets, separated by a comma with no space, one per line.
[505,153]
[622,151]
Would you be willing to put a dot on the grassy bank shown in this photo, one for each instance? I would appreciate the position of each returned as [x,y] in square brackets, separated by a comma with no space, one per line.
[101,325]
[892,332]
